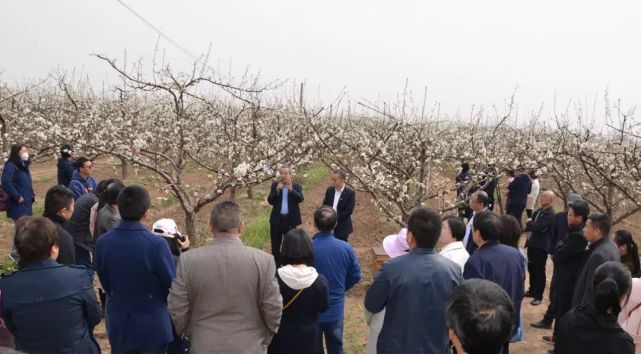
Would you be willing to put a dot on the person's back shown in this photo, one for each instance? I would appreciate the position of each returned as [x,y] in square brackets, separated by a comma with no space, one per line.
[78,225]
[65,171]
[519,189]
[108,218]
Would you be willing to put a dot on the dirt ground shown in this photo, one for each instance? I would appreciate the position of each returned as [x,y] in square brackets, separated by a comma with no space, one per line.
[370,227]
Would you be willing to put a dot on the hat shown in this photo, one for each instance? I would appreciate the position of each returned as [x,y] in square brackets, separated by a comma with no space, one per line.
[396,245]
[573,197]
[165,228]
[66,150]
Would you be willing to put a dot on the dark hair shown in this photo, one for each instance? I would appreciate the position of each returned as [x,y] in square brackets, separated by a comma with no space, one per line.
[481,197]
[133,203]
[225,217]
[56,199]
[580,208]
[110,194]
[425,225]
[465,167]
[611,281]
[601,221]
[624,238]
[341,173]
[14,153]
[509,171]
[325,218]
[533,174]
[81,162]
[488,225]
[481,315]
[65,151]
[296,248]
[456,225]
[510,230]
[35,235]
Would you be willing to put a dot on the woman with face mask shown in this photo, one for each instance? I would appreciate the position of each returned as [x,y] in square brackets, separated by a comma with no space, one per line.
[16,182]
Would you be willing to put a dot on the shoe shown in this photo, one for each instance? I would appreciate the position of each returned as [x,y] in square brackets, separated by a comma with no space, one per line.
[536,302]
[528,294]
[542,324]
[548,339]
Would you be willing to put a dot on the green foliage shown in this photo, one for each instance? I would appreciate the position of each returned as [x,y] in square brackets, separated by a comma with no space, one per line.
[314,174]
[256,233]
[8,265]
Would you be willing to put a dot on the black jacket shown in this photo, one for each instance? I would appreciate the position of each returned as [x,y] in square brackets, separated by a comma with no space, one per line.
[541,229]
[345,207]
[78,225]
[598,253]
[559,230]
[66,250]
[518,190]
[294,198]
[580,332]
[567,264]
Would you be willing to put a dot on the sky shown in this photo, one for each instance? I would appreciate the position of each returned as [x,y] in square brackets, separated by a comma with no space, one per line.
[467,53]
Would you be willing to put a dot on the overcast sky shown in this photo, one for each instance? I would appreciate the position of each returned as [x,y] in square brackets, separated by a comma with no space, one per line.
[465,52]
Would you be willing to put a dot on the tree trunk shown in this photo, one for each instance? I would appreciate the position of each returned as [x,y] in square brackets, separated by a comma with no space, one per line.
[232,194]
[250,193]
[190,228]
[124,168]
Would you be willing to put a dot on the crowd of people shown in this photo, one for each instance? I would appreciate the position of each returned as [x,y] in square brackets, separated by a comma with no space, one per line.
[452,284]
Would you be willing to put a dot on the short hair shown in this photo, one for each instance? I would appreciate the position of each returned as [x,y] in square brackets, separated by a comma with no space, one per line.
[285,166]
[481,197]
[56,199]
[340,172]
[80,162]
[112,188]
[35,235]
[580,208]
[325,218]
[611,281]
[465,167]
[601,221]
[425,225]
[14,153]
[225,217]
[297,248]
[133,203]
[510,230]
[488,225]
[482,316]
[457,227]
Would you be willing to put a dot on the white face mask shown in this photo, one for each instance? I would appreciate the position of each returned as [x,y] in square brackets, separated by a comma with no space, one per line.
[24,156]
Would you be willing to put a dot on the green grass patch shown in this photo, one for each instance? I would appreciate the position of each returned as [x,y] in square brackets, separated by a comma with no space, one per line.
[313,174]
[8,265]
[256,233]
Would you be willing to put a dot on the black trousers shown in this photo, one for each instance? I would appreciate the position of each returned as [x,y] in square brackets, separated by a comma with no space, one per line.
[536,259]
[277,231]
[516,211]
[550,313]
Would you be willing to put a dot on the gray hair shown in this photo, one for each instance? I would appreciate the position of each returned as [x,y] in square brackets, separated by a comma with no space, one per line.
[341,173]
[225,217]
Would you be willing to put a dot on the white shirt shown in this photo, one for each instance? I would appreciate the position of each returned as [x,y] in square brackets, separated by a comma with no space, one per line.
[337,196]
[468,231]
[456,252]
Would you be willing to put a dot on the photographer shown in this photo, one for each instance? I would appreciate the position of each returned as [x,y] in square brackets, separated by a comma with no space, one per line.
[178,243]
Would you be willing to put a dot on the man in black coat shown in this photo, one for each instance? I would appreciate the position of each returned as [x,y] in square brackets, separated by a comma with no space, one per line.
[538,244]
[59,206]
[285,196]
[518,191]
[342,199]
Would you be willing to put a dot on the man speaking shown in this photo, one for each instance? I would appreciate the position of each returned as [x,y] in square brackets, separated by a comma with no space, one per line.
[285,195]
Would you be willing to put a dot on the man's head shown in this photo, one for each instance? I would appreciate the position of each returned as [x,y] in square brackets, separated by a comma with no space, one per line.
[479,201]
[85,166]
[485,227]
[423,228]
[546,199]
[36,239]
[66,151]
[285,173]
[133,203]
[597,227]
[465,167]
[338,178]
[479,315]
[110,190]
[226,220]
[578,212]
[59,200]
[325,219]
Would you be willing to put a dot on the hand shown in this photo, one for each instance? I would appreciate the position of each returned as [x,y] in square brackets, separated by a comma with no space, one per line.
[279,186]
[184,244]
[529,220]
[21,200]
[89,189]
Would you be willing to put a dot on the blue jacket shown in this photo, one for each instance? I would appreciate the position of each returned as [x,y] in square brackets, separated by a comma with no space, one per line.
[16,181]
[414,288]
[503,265]
[135,269]
[51,308]
[65,171]
[79,186]
[335,260]
[518,190]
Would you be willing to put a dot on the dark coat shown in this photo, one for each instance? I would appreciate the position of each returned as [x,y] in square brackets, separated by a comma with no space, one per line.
[518,190]
[540,229]
[345,208]
[559,230]
[66,253]
[16,181]
[78,225]
[299,332]
[51,308]
[598,253]
[80,186]
[567,262]
[135,269]
[294,198]
[580,332]
[65,171]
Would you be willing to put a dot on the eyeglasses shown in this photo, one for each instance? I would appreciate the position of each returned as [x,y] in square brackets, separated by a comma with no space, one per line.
[90,166]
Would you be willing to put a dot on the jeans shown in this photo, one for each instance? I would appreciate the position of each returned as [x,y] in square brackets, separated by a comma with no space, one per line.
[158,350]
[536,259]
[333,332]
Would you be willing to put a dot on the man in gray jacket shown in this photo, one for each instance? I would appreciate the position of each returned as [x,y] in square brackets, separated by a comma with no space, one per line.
[225,296]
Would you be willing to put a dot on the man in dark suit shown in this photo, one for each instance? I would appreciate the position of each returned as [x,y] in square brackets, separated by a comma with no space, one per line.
[538,244]
[342,199]
[285,196]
